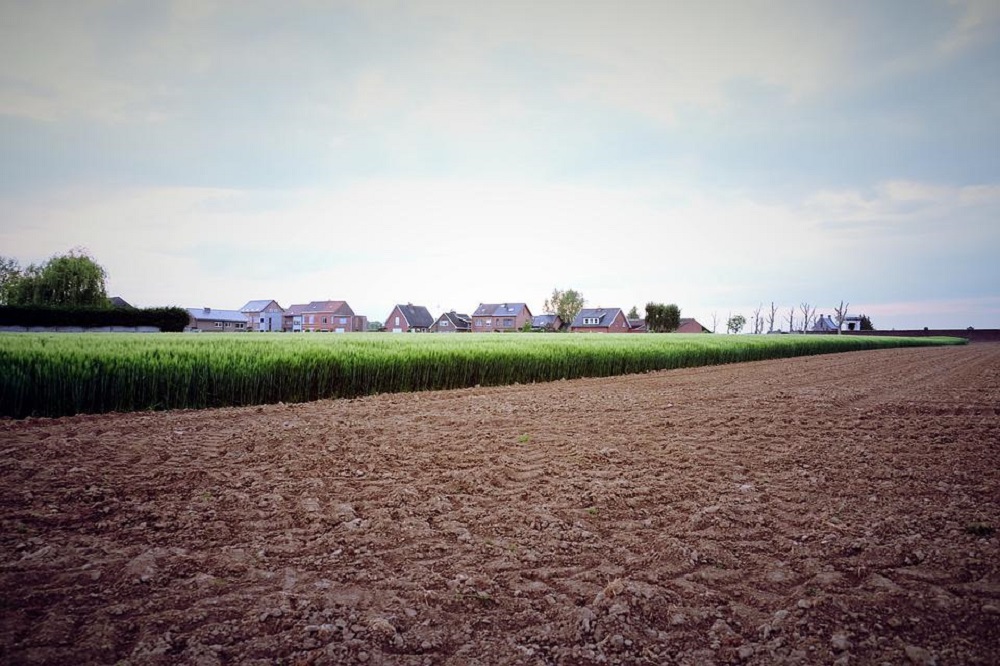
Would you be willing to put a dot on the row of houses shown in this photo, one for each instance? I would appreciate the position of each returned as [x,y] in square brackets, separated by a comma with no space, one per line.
[338,317]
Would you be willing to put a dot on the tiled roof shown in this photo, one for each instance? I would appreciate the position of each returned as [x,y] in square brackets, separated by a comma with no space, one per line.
[605,317]
[416,316]
[332,307]
[212,314]
[500,309]
[458,320]
[257,306]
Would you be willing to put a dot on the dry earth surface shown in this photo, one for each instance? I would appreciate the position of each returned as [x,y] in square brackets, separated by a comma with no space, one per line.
[836,509]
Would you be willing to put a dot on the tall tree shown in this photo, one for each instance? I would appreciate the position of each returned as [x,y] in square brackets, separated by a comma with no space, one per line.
[771,315]
[662,318]
[808,315]
[10,272]
[866,323]
[633,313]
[840,314]
[567,304]
[736,323]
[791,320]
[715,321]
[758,320]
[70,280]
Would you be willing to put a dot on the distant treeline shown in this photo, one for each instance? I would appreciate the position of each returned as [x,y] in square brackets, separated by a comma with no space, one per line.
[166,319]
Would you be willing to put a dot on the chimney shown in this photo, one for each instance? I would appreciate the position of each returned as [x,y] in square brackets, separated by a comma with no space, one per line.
[208,310]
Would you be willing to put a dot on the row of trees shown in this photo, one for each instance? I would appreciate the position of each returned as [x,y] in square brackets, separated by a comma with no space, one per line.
[804,316]
[70,280]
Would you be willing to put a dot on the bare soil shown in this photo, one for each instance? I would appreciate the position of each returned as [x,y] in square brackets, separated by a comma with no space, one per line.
[837,509]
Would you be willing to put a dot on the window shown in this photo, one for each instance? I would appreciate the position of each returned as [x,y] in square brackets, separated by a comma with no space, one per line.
[489,322]
[343,320]
[591,321]
[229,324]
[323,320]
[262,320]
[218,324]
[479,323]
[508,322]
[397,321]
[444,322]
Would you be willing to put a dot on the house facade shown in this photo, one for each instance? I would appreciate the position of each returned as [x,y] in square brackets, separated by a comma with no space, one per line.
[264,316]
[210,320]
[600,320]
[409,318]
[452,322]
[328,317]
[852,323]
[499,317]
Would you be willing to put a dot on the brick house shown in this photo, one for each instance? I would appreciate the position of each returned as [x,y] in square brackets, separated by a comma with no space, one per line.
[546,322]
[328,316]
[264,316]
[491,317]
[452,322]
[637,326]
[689,325]
[409,318]
[600,320]
[208,320]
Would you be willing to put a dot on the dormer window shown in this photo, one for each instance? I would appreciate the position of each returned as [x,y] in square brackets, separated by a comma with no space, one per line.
[591,321]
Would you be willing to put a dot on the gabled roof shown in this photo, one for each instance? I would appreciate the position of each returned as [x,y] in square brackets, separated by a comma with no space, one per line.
[258,306]
[605,317]
[500,310]
[212,314]
[824,323]
[332,307]
[118,302]
[417,316]
[457,320]
[544,321]
[296,310]
[639,323]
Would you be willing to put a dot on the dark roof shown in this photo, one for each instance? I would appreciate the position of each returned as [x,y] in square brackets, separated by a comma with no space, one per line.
[500,310]
[824,323]
[416,316]
[637,323]
[340,308]
[605,317]
[119,302]
[457,320]
[544,321]
[296,310]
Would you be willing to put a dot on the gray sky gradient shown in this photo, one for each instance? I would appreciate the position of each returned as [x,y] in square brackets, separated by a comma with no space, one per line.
[712,154]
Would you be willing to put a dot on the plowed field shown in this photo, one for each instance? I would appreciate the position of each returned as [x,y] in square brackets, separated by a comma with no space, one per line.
[833,509]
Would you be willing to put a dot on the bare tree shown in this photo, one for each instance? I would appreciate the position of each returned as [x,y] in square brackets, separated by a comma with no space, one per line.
[771,315]
[808,315]
[758,320]
[715,321]
[791,320]
[841,315]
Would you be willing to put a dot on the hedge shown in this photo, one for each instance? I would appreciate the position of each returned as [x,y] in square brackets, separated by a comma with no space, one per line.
[166,319]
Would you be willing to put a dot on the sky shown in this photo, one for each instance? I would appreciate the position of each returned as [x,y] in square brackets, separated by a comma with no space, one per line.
[716,155]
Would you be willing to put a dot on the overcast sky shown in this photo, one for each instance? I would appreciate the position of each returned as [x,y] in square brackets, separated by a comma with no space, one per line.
[716,155]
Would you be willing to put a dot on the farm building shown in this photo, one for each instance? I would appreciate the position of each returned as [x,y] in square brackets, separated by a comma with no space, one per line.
[824,324]
[208,320]
[490,317]
[409,318]
[452,322]
[852,323]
